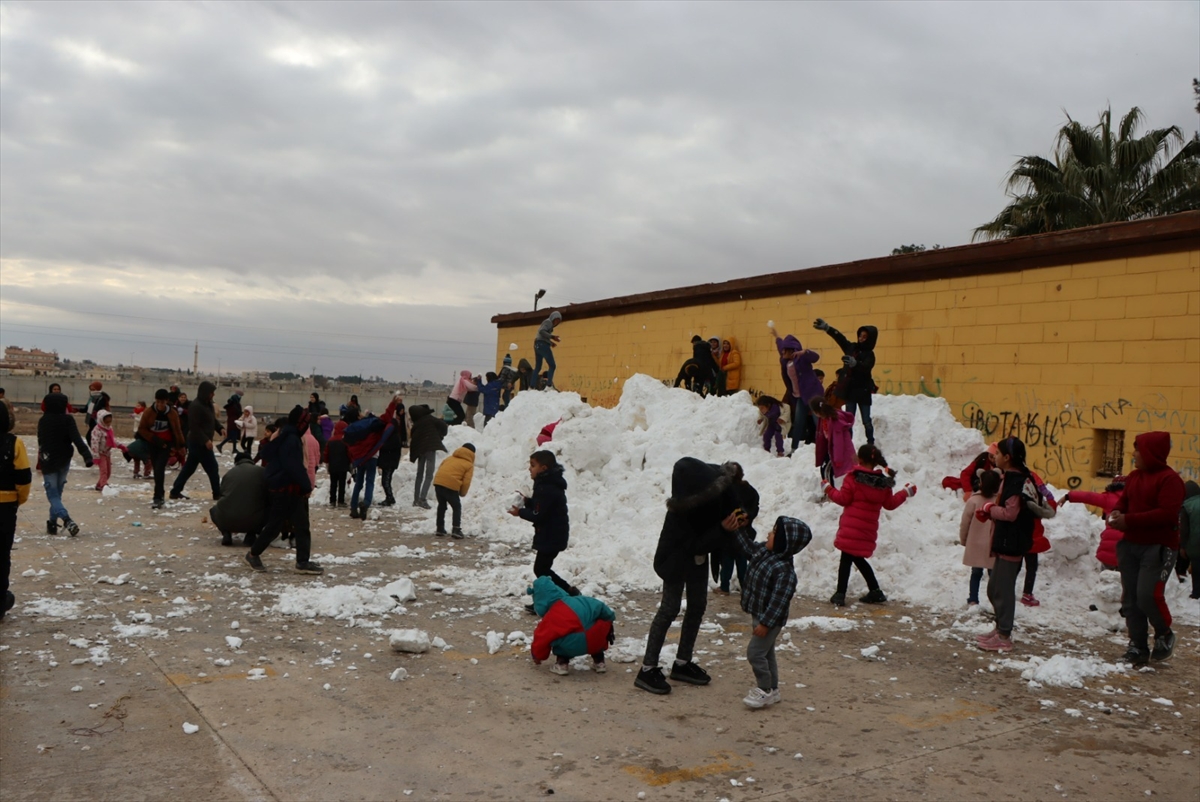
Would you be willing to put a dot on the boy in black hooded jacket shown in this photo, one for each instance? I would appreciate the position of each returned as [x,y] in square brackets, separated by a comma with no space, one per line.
[701,513]
[57,434]
[854,377]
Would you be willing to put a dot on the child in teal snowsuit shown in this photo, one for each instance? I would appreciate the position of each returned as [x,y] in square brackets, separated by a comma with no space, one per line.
[570,626]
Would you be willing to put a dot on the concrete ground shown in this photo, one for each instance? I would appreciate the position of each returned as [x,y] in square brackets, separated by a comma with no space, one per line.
[926,716]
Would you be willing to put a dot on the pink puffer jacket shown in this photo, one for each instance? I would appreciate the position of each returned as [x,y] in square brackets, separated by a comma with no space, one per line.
[834,439]
[863,494]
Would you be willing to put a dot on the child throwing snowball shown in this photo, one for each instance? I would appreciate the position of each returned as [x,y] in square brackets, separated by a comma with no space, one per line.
[571,626]
[766,596]
[867,490]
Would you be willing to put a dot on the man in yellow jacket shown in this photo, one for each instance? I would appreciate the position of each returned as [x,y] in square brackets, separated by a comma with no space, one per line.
[15,479]
[450,483]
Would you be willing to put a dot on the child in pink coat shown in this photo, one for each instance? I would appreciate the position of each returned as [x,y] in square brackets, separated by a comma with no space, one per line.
[834,444]
[103,442]
[463,386]
[1106,552]
[866,491]
[976,535]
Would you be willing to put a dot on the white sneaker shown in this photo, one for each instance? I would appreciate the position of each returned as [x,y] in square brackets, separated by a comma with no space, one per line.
[757,698]
[600,667]
[562,669]
[773,698]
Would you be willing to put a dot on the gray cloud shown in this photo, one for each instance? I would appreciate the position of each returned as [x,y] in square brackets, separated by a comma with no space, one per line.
[388,176]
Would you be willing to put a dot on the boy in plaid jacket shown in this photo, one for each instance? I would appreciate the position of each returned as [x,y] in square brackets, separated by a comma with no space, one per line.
[766,596]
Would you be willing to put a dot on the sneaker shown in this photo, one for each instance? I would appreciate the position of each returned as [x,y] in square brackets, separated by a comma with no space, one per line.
[600,667]
[691,673]
[354,512]
[424,505]
[986,642]
[651,680]
[362,512]
[773,698]
[178,496]
[440,533]
[73,529]
[51,527]
[157,504]
[874,597]
[562,669]
[987,635]
[1136,656]
[1029,600]
[309,567]
[838,600]
[457,534]
[255,561]
[388,502]
[1164,646]
[997,644]
[757,698]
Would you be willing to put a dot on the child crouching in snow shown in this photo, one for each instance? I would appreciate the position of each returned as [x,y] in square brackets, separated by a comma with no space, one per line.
[766,596]
[866,491]
[976,535]
[103,442]
[571,626]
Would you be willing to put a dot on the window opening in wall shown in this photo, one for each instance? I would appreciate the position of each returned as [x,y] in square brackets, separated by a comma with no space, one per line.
[1109,456]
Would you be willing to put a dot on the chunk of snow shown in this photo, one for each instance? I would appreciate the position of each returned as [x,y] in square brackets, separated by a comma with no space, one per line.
[411,641]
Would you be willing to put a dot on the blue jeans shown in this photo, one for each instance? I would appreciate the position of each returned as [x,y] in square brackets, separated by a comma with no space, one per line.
[364,472]
[542,350]
[863,410]
[54,482]
[973,587]
[198,455]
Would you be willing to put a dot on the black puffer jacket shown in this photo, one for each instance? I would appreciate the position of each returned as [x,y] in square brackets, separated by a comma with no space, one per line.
[284,471]
[702,496]
[389,452]
[57,434]
[546,509]
[427,432]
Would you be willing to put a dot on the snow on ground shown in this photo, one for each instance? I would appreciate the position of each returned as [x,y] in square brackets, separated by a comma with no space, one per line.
[618,468]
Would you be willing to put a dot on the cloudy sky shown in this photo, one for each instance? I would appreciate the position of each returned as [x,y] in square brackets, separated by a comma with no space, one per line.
[360,187]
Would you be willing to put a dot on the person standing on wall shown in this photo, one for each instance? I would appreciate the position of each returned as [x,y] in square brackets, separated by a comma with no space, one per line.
[543,344]
[854,381]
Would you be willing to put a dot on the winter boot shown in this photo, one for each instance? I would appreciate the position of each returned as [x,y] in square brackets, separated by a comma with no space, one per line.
[52,527]
[457,533]
[362,512]
[72,527]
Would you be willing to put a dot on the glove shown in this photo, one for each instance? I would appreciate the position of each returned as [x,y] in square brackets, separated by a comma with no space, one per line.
[911,489]
[985,512]
[849,361]
[820,325]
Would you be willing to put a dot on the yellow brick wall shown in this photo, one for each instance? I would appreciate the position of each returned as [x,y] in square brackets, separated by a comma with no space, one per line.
[1049,355]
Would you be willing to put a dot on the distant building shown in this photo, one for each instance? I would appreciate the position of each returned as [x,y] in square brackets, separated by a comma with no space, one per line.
[34,359]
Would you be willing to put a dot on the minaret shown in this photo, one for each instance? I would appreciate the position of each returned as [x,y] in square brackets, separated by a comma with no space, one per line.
[196,360]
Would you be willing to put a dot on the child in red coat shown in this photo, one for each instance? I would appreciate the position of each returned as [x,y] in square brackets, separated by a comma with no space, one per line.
[1106,552]
[866,491]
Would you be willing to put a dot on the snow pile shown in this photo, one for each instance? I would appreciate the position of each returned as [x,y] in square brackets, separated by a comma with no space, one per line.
[618,469]
[1061,670]
[345,601]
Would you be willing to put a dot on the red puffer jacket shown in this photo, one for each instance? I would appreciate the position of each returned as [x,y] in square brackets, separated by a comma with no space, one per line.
[1040,543]
[1106,552]
[863,494]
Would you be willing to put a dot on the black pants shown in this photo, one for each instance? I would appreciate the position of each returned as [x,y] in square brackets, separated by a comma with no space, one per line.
[247,444]
[337,487]
[385,479]
[456,407]
[8,531]
[1031,566]
[198,455]
[863,567]
[1182,561]
[695,585]
[286,508]
[543,565]
[159,457]
[1145,570]
[447,497]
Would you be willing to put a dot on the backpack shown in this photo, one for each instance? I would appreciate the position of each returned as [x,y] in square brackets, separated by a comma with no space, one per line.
[361,429]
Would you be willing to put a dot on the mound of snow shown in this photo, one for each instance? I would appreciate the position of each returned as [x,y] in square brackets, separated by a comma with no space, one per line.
[344,601]
[1062,670]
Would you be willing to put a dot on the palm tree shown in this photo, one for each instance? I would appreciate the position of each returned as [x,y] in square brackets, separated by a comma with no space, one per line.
[1097,177]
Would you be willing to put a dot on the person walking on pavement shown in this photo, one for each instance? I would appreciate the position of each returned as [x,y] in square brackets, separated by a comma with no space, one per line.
[159,427]
[202,425]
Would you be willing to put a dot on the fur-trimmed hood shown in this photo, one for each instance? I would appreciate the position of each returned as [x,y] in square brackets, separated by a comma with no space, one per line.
[873,478]
[695,483]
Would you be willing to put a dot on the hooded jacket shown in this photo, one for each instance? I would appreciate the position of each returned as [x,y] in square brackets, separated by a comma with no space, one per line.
[731,363]
[368,447]
[248,424]
[243,503]
[15,475]
[1189,521]
[463,385]
[702,496]
[202,416]
[391,449]
[491,397]
[863,494]
[546,330]
[547,510]
[571,625]
[858,382]
[284,470]
[1106,552]
[427,432]
[1153,495]
[798,376]
[57,433]
[337,453]
[771,574]
[834,440]
[456,471]
[233,409]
